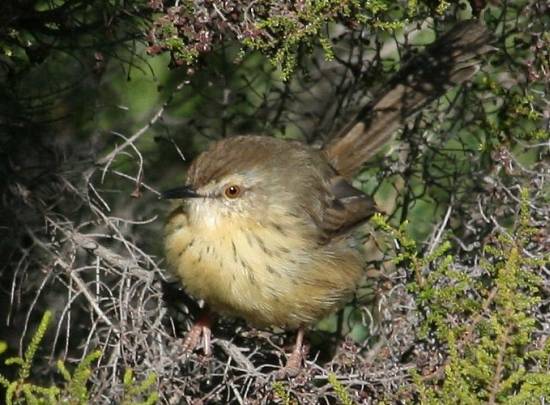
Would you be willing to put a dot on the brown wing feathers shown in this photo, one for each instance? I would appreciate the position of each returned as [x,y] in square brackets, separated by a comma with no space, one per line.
[347,208]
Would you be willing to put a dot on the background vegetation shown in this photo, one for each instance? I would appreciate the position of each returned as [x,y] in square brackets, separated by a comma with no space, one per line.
[103,103]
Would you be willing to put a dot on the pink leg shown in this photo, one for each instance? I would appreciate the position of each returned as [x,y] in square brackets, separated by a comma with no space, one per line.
[294,362]
[201,328]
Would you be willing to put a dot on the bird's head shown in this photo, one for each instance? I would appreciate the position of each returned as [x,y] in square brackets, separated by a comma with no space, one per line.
[248,178]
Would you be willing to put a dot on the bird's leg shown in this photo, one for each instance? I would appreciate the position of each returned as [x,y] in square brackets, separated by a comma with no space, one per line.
[295,359]
[294,362]
[201,328]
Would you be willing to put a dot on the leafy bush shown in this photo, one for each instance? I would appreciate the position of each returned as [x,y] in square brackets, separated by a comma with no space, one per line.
[455,307]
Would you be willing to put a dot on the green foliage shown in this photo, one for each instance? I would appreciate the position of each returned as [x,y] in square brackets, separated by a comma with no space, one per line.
[408,254]
[75,391]
[340,390]
[520,115]
[132,390]
[277,30]
[282,393]
[21,389]
[486,323]
[288,32]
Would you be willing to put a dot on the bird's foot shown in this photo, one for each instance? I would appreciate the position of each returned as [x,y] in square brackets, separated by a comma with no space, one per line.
[294,362]
[292,367]
[201,329]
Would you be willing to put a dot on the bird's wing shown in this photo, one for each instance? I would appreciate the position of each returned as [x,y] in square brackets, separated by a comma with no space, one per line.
[345,208]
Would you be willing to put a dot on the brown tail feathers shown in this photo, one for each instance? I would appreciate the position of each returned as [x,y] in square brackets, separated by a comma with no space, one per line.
[451,60]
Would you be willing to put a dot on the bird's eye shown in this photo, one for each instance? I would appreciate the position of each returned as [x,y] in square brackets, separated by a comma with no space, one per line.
[232,191]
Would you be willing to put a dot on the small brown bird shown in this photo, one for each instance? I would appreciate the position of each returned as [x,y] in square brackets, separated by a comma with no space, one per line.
[262,228]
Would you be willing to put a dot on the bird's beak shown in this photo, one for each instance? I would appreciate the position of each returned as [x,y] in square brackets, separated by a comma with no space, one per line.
[180,192]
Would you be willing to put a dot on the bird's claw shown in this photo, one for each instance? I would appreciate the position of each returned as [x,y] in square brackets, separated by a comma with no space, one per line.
[201,329]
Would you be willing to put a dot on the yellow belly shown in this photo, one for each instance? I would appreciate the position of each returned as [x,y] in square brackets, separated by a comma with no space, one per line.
[263,275]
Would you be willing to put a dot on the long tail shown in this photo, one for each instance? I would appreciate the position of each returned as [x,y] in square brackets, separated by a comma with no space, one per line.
[450,60]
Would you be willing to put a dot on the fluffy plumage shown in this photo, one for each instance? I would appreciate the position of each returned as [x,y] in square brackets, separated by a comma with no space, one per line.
[278,254]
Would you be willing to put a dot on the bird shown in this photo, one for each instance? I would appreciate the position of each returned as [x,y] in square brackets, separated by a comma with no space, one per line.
[263,228]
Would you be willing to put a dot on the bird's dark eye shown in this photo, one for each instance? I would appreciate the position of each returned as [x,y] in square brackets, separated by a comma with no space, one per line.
[232,191]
